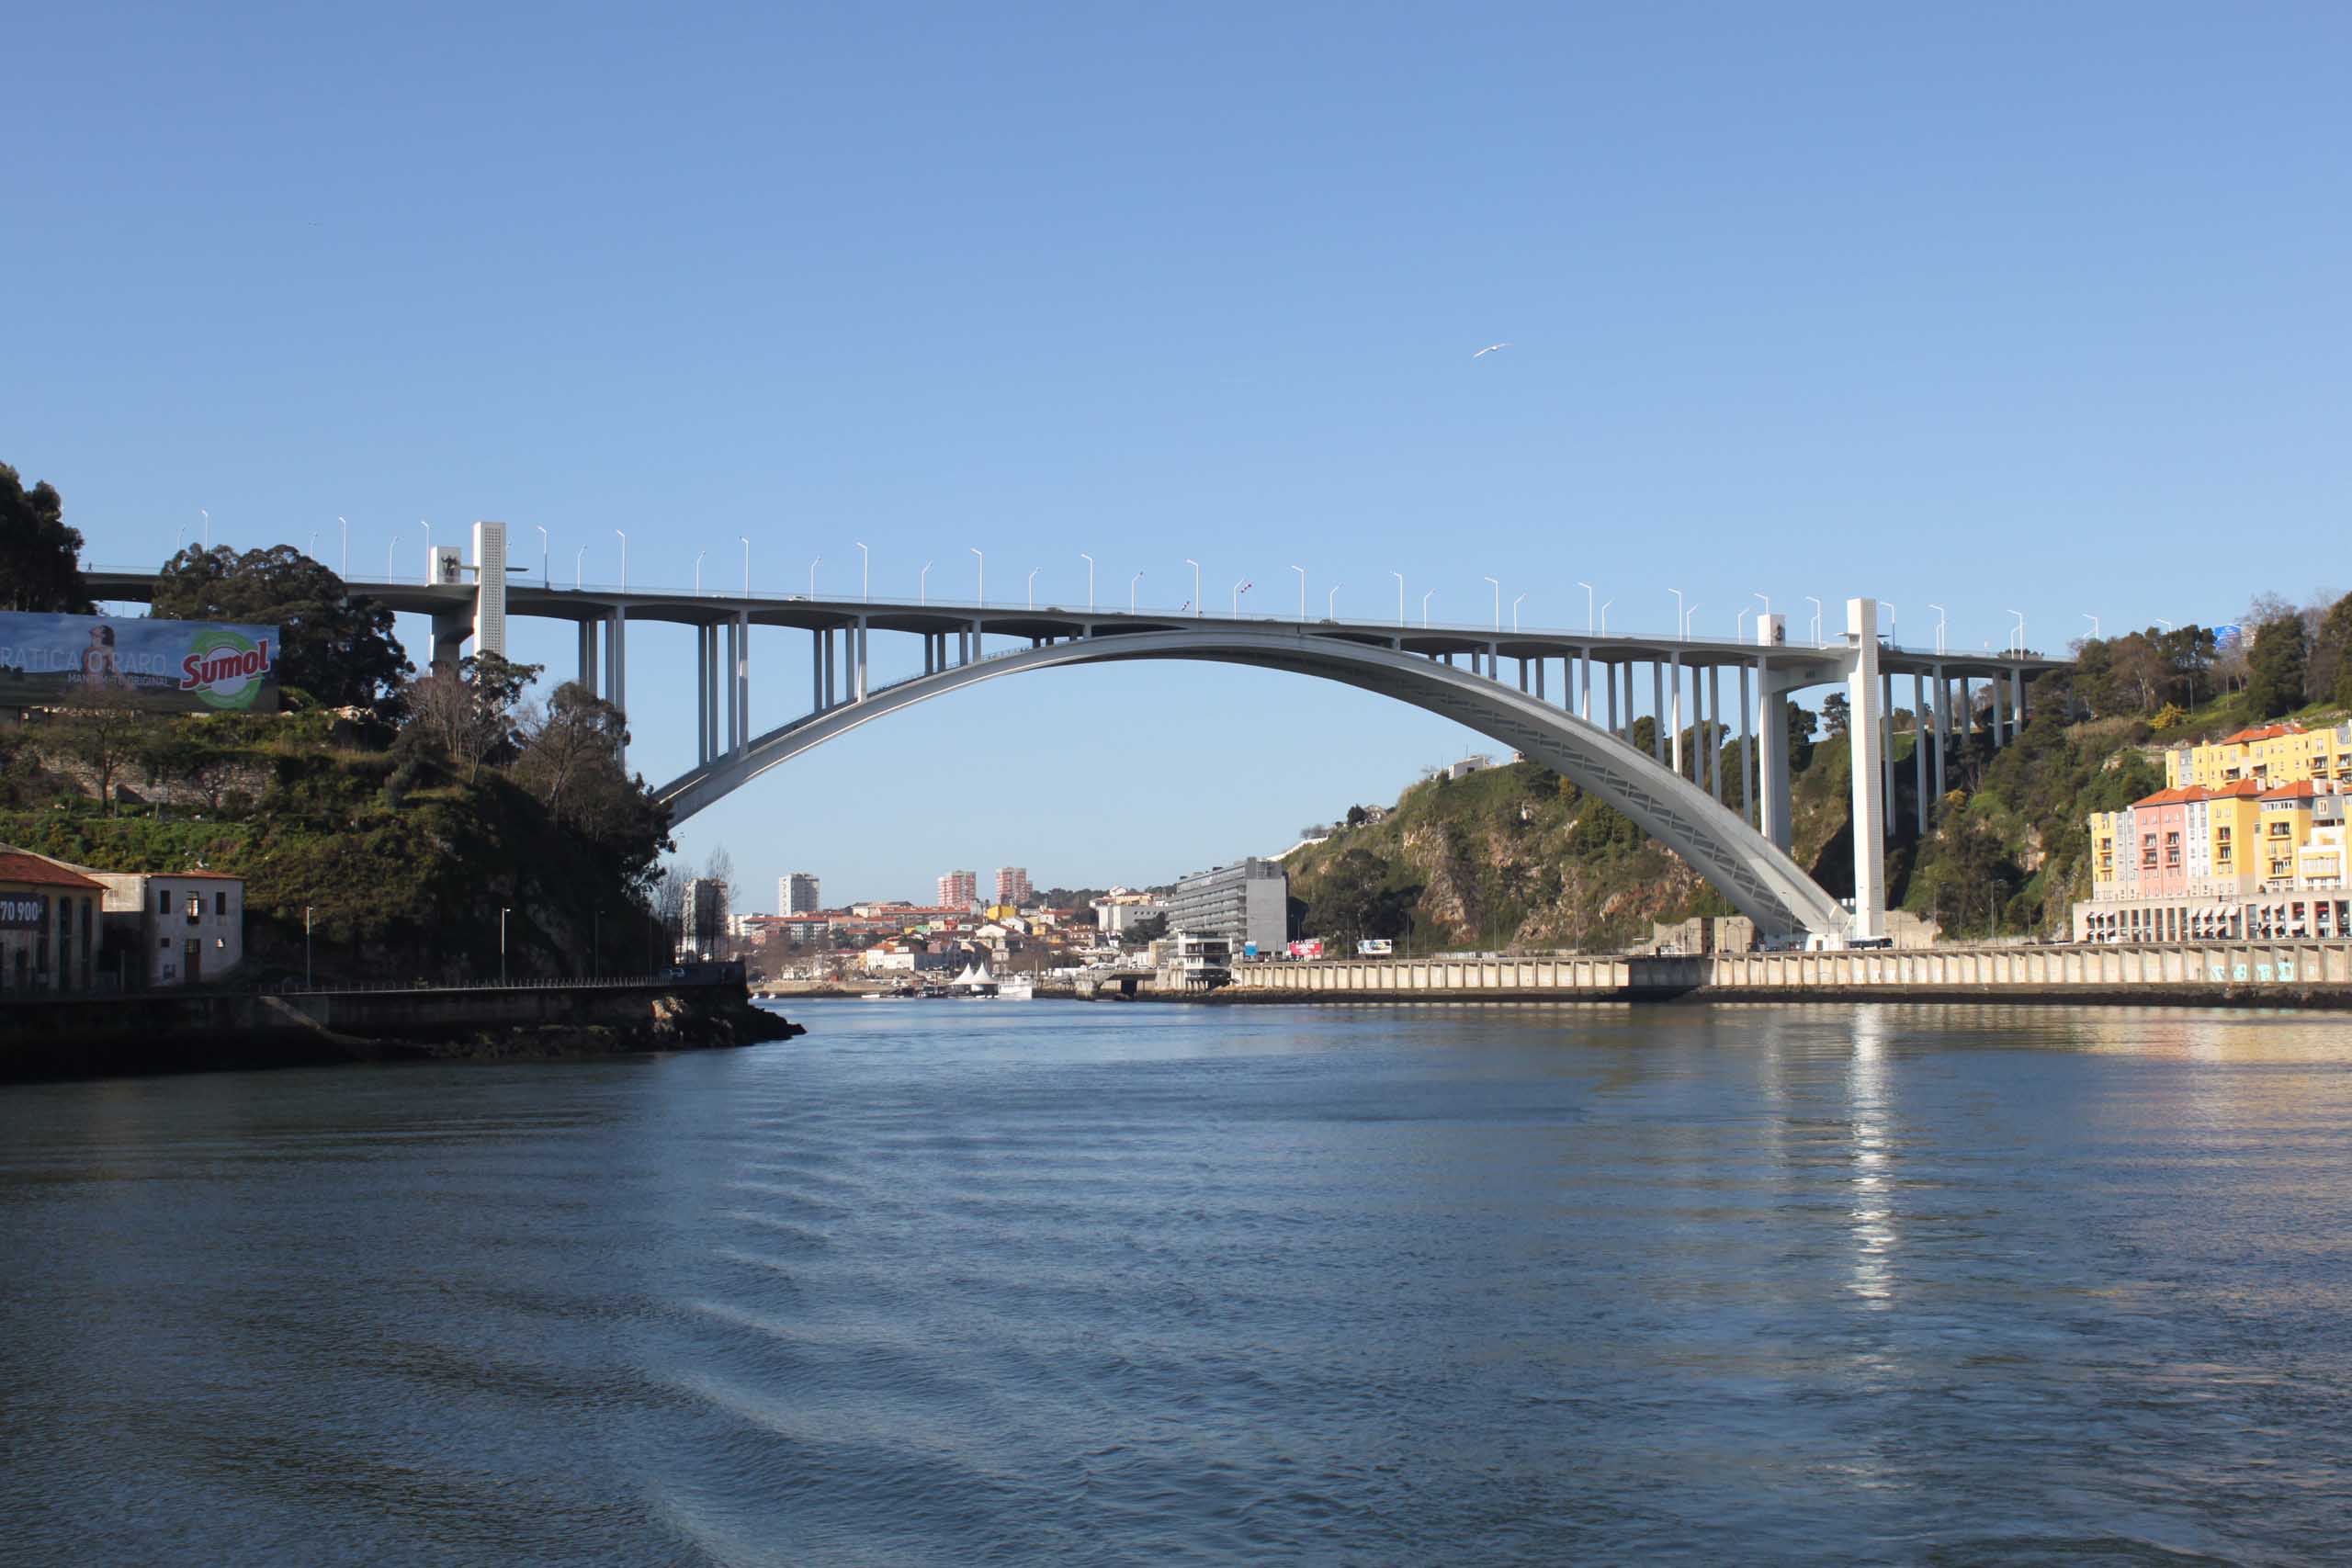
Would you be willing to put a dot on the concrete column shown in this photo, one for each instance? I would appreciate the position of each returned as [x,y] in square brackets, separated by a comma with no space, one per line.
[1628,731]
[860,688]
[1919,746]
[1747,749]
[2000,714]
[926,654]
[1867,733]
[735,720]
[1609,683]
[832,668]
[816,672]
[1772,760]
[704,677]
[1674,708]
[588,655]
[2016,702]
[1717,730]
[620,666]
[742,679]
[1886,744]
[1539,678]
[1657,711]
[449,634]
[1941,769]
[612,655]
[1585,712]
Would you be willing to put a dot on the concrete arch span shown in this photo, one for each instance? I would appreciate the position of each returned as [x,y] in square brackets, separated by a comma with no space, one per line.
[1755,875]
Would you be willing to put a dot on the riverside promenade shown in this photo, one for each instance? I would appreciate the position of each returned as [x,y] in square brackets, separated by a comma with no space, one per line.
[2279,973]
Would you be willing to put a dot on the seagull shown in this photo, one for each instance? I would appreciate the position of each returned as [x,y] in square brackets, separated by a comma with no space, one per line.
[1490,349]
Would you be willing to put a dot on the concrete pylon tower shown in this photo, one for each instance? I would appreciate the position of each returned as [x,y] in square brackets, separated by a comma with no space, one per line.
[489,588]
[1867,739]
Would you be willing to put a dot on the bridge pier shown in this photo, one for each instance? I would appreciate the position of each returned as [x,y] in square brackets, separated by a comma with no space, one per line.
[1866,737]
[1658,711]
[1920,747]
[1747,749]
[1772,760]
[588,655]
[1886,745]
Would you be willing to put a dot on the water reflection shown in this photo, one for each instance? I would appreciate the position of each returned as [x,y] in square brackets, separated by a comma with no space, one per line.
[1872,1207]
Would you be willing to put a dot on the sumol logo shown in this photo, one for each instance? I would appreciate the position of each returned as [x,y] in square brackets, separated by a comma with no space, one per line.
[225,669]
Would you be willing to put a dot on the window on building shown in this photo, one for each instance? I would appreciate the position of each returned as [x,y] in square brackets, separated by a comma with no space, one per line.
[2148,852]
[195,907]
[220,903]
[163,900]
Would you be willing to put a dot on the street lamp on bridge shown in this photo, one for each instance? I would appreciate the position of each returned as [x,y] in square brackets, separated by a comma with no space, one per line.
[624,538]
[1604,615]
[1400,596]
[1498,601]
[1331,603]
[1938,609]
[346,549]
[923,584]
[1239,588]
[865,574]
[1090,579]
[1425,609]
[579,566]
[1033,585]
[698,554]
[1301,591]
[2017,637]
[1816,618]
[745,540]
[1677,610]
[812,576]
[1514,611]
[543,552]
[1587,607]
[1198,608]
[984,573]
[1132,583]
[2094,621]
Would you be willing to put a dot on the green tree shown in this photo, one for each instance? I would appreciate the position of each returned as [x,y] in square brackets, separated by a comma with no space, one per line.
[468,713]
[1836,714]
[2331,669]
[2276,667]
[1352,901]
[41,557]
[332,646]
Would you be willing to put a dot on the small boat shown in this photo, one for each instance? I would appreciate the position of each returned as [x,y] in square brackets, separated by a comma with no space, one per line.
[1018,991]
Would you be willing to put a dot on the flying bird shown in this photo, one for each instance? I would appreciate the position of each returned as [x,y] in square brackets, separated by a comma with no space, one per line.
[1490,349]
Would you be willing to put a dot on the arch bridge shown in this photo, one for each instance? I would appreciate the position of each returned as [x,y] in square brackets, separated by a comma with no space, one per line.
[1734,833]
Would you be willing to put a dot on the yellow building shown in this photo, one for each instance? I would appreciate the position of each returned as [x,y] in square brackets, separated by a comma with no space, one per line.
[2268,754]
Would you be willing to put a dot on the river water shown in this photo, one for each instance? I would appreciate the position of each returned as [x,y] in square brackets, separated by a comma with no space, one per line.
[960,1282]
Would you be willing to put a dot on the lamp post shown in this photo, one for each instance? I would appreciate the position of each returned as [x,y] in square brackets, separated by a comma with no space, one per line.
[1739,627]
[2017,637]
[624,539]
[1197,607]
[1090,579]
[1688,615]
[2160,621]
[1938,609]
[745,540]
[983,568]
[1241,586]
[1890,642]
[208,528]
[179,539]
[923,584]
[1331,601]
[312,549]
[698,554]
[1498,601]
[1033,585]
[1514,611]
[428,541]
[812,575]
[306,947]
[503,913]
[1132,584]
[1400,596]
[2094,621]
[865,574]
[1604,615]
[390,544]
[543,554]
[1587,607]
[579,565]
[347,544]
[1301,591]
[1816,618]
[1677,610]
[1425,608]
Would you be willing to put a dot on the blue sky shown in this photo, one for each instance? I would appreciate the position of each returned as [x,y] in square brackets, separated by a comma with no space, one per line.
[2033,307]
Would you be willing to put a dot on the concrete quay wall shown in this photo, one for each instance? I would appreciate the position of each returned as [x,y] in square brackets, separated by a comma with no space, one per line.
[2308,973]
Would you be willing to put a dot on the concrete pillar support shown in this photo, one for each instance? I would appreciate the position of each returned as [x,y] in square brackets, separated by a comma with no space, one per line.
[1773,725]
[1869,764]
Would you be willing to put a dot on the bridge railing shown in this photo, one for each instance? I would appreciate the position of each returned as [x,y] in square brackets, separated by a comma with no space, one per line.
[657,980]
[1486,630]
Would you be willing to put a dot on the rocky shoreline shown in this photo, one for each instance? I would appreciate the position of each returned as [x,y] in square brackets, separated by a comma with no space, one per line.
[147,1035]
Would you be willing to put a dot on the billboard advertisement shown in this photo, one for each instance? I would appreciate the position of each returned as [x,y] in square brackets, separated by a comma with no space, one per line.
[62,662]
[1311,948]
